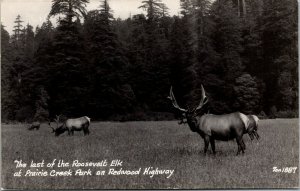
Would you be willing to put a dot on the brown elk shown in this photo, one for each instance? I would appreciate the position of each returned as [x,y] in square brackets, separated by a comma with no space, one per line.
[71,125]
[215,127]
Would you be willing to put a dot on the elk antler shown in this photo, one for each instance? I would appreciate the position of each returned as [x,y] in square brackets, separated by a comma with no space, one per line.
[57,120]
[49,123]
[174,102]
[203,101]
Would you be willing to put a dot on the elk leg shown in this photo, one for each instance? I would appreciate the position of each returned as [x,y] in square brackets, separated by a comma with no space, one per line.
[239,142]
[84,130]
[212,143]
[87,129]
[239,150]
[206,143]
[239,147]
[256,135]
[243,145]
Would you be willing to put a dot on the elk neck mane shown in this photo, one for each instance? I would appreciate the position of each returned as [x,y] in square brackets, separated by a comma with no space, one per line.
[245,120]
[255,119]
[89,119]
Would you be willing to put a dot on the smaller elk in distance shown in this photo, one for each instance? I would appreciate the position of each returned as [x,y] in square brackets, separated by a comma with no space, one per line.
[71,125]
[215,127]
[34,125]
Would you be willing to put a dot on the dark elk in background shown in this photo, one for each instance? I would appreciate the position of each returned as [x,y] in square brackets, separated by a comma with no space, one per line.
[34,125]
[71,125]
[216,127]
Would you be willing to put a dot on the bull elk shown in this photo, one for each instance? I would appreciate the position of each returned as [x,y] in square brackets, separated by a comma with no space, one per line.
[71,125]
[215,127]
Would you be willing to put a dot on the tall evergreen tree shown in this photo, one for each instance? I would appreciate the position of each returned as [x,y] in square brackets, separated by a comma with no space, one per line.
[111,94]
[68,83]
[205,53]
[18,30]
[182,59]
[137,56]
[227,43]
[155,9]
[21,58]
[43,57]
[29,42]
[279,42]
[251,34]
[154,67]
[68,8]
[8,103]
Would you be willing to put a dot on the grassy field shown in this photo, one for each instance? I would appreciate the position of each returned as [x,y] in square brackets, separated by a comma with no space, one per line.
[164,145]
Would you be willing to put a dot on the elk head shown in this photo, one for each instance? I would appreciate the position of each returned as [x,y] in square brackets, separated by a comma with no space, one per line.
[59,128]
[189,114]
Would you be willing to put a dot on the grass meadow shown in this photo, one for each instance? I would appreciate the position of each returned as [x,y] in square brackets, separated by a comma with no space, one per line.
[163,144]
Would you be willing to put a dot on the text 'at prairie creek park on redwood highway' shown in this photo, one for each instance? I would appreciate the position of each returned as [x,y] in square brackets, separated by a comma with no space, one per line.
[105,167]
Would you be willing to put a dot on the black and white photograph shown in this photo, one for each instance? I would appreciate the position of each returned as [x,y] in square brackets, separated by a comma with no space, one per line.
[149,94]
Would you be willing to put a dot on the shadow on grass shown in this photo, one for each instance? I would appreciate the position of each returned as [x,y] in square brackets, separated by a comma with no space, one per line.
[224,151]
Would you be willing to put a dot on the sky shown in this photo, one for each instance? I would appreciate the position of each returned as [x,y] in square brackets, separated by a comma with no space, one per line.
[35,12]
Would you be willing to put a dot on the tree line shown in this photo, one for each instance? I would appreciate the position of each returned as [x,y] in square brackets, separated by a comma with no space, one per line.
[243,52]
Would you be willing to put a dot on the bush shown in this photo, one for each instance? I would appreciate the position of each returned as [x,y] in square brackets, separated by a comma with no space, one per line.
[247,94]
[273,112]
[287,114]
[262,115]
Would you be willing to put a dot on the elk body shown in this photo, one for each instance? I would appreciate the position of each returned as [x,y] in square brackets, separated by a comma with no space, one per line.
[34,125]
[71,125]
[215,127]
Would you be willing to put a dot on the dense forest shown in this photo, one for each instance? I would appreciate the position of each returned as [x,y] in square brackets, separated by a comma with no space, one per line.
[243,52]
